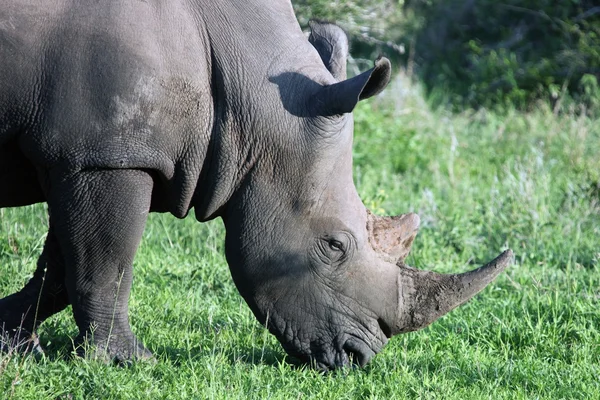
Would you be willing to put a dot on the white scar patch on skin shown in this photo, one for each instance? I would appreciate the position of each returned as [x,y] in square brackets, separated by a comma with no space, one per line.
[139,106]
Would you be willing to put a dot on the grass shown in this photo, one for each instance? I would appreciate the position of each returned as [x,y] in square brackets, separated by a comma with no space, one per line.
[480,182]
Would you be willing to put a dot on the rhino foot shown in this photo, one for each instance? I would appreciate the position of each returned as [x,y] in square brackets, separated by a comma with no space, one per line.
[122,350]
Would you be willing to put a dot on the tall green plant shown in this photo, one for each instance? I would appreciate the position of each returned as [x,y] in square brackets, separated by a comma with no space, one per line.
[488,53]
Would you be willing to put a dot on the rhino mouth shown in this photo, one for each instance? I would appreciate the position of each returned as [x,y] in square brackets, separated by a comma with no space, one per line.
[344,351]
[354,351]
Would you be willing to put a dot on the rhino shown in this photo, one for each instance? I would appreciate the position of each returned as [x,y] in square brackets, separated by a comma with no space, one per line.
[110,110]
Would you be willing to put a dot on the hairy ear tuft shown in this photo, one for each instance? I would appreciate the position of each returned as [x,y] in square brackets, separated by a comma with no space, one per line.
[378,79]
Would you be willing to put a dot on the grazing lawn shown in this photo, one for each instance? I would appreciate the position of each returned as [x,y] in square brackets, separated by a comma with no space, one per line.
[480,182]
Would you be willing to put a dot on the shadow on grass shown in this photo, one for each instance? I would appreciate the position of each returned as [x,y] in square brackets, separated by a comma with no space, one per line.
[57,342]
[249,355]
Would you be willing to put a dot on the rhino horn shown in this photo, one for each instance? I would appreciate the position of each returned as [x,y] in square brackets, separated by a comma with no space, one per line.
[392,237]
[424,296]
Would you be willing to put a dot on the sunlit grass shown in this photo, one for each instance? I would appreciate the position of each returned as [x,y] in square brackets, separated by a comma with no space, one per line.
[480,182]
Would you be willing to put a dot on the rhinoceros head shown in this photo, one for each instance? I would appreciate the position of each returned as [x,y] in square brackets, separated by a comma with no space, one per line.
[325,275]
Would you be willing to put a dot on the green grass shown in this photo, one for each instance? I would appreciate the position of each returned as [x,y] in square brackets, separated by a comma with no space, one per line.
[480,182]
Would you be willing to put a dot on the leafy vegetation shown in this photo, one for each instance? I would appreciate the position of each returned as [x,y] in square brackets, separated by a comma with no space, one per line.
[373,26]
[510,53]
[486,53]
[480,182]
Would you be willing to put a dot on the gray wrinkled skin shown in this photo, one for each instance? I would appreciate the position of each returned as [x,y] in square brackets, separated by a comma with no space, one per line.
[110,110]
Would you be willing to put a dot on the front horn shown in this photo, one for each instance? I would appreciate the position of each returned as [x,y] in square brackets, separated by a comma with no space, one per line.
[424,296]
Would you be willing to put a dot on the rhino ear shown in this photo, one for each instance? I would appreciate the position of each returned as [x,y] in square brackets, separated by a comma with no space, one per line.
[332,44]
[342,97]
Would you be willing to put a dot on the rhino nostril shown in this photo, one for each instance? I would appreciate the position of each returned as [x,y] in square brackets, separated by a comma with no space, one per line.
[358,352]
[385,328]
[353,356]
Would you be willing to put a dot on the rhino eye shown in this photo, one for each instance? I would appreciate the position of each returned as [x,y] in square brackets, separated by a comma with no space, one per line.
[335,245]
[333,250]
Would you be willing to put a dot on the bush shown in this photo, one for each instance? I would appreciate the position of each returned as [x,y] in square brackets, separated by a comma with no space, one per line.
[373,26]
[488,53]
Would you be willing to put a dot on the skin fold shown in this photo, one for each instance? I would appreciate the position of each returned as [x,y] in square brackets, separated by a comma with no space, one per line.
[110,110]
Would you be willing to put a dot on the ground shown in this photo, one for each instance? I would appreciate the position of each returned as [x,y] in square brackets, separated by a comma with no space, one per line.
[480,181]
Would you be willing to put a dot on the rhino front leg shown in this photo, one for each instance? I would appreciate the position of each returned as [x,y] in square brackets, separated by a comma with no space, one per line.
[99,219]
[44,295]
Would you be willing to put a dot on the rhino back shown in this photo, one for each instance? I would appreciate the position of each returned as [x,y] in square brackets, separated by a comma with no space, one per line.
[112,84]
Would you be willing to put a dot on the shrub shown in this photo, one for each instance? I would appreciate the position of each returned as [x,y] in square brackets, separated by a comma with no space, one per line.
[488,53]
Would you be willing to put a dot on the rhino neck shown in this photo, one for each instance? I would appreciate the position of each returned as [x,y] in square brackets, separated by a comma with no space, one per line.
[251,53]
